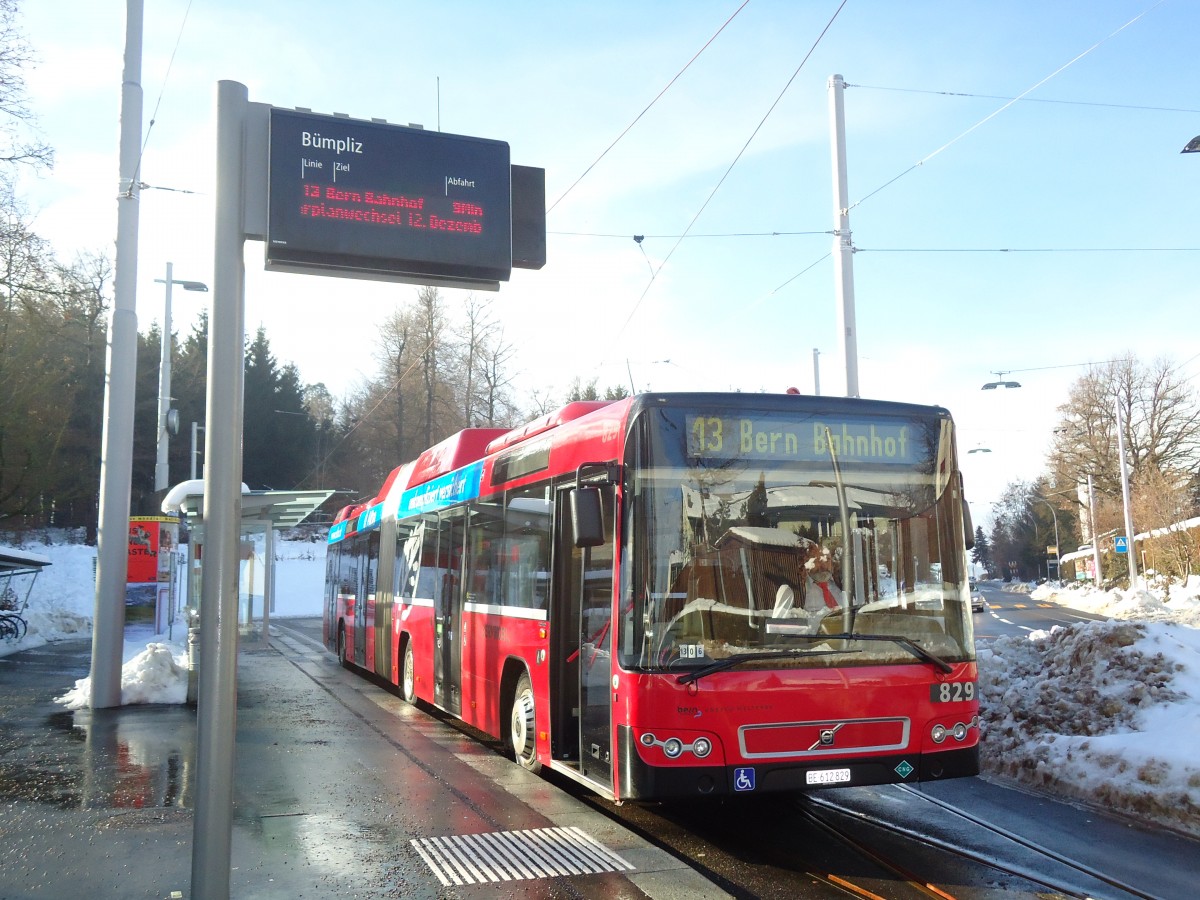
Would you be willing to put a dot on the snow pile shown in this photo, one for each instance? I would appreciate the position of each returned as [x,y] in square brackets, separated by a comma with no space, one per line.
[1098,711]
[158,674]
[1105,712]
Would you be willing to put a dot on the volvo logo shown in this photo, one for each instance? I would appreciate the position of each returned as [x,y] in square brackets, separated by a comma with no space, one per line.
[826,737]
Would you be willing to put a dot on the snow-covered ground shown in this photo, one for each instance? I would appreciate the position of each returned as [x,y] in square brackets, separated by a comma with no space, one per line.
[1104,712]
[62,603]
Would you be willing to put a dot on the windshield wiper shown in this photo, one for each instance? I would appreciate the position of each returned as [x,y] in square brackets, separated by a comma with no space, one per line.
[730,661]
[907,643]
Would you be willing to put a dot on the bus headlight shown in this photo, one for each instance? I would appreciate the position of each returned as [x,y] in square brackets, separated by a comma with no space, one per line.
[960,732]
[674,747]
[938,734]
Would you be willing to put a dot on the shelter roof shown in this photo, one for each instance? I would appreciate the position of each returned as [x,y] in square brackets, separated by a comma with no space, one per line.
[282,509]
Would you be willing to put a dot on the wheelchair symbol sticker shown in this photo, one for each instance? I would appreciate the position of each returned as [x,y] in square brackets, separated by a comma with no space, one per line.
[743,779]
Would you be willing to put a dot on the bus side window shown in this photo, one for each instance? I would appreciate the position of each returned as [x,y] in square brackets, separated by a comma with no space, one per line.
[429,580]
[408,560]
[485,543]
[527,547]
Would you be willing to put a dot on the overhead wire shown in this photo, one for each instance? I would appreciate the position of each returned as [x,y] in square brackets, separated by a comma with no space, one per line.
[1010,102]
[136,182]
[736,158]
[997,112]
[647,109]
[731,234]
[1026,249]
[877,87]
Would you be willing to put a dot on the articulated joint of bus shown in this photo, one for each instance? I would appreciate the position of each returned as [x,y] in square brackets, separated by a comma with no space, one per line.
[638,778]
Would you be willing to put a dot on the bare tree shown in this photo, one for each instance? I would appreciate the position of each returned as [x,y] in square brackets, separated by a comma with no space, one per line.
[1165,499]
[395,344]
[476,329]
[432,331]
[19,142]
[1160,418]
[484,379]
[496,407]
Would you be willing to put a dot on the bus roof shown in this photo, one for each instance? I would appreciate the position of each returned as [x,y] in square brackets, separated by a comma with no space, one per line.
[453,453]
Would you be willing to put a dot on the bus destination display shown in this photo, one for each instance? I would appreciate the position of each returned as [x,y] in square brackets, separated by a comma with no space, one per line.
[367,196]
[723,436]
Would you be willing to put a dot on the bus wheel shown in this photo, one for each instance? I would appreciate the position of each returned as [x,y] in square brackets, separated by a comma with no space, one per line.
[522,729]
[408,676]
[342,645]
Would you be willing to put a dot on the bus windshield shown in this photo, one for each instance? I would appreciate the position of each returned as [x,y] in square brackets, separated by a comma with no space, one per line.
[794,537]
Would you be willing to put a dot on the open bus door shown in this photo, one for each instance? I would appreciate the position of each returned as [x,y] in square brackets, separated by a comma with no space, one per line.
[586,595]
[367,550]
[447,608]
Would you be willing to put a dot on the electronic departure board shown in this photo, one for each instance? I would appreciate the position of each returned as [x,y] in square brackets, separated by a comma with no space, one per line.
[346,194]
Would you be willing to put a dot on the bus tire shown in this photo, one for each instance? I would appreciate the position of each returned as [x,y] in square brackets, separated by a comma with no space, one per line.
[522,726]
[341,646]
[408,675]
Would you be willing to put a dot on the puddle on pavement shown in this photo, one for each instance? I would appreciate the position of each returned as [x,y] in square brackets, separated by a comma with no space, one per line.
[129,758]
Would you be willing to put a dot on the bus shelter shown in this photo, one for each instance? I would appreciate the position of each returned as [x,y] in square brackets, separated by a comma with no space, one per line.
[264,513]
[14,595]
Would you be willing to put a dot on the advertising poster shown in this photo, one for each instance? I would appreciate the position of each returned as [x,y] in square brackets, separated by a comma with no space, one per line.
[152,543]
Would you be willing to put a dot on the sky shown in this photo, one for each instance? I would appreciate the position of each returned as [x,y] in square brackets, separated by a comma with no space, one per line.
[1106,712]
[1030,237]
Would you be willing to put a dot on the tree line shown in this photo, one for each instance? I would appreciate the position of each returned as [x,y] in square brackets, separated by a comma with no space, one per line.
[438,370]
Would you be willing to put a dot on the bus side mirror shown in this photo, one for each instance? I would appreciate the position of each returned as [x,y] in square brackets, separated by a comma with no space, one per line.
[587,517]
[968,530]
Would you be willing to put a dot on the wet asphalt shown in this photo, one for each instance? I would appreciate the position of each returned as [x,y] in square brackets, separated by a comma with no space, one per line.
[333,798]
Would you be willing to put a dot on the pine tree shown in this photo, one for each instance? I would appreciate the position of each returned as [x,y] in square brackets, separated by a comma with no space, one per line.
[982,553]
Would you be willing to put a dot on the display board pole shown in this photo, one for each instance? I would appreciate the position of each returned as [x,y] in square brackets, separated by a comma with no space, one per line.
[217,694]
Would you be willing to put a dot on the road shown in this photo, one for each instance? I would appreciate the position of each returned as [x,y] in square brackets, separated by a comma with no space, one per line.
[1008,613]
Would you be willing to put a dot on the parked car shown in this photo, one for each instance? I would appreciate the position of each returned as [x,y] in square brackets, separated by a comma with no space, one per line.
[976,596]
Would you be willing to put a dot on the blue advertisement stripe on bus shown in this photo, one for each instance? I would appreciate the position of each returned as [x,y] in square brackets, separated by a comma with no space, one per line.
[370,518]
[457,487]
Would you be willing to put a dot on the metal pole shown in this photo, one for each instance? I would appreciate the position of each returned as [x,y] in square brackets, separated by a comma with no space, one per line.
[268,583]
[161,477]
[1131,550]
[843,249]
[1095,534]
[116,453]
[217,700]
[194,451]
[816,372]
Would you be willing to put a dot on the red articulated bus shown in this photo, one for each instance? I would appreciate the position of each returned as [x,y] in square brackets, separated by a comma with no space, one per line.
[680,595]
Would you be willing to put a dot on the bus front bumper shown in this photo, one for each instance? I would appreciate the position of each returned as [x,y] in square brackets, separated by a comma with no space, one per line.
[639,780]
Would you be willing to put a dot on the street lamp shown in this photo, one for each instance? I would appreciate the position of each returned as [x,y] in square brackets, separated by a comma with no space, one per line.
[196,426]
[1000,383]
[167,422]
[1192,146]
